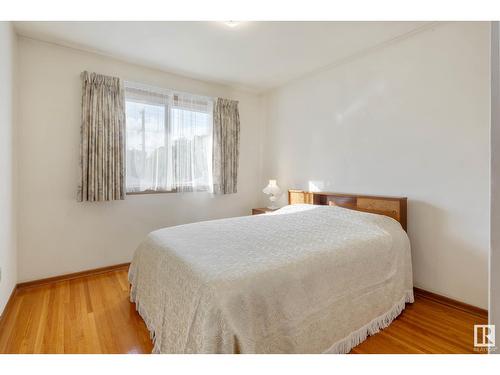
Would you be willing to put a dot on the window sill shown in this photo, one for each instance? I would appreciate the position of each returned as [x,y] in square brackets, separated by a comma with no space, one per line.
[151,192]
[165,192]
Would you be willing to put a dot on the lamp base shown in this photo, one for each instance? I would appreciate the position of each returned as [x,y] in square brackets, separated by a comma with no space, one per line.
[273,198]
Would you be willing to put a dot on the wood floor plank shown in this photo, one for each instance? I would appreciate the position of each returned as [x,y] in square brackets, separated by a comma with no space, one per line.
[93,314]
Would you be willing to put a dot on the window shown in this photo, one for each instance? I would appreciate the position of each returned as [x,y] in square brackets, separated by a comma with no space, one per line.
[169,141]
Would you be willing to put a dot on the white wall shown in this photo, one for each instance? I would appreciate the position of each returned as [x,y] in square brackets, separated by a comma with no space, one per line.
[57,235]
[409,119]
[494,308]
[8,252]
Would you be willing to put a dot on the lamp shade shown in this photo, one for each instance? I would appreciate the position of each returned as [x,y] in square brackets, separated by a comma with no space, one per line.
[272,188]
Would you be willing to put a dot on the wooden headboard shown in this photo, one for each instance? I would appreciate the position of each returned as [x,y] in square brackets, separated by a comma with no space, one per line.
[394,207]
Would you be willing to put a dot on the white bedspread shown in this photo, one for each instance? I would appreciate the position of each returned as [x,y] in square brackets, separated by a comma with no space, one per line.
[304,279]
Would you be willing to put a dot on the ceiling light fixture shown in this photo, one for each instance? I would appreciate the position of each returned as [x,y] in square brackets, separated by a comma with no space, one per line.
[231,24]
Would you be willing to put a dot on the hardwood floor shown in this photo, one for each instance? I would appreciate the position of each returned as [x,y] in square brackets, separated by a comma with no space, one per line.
[92,314]
[426,326]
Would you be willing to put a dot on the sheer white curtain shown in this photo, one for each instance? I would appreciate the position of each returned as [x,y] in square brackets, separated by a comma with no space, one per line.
[169,140]
[190,143]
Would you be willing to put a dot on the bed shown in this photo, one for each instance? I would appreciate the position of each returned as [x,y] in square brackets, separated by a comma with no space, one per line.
[316,276]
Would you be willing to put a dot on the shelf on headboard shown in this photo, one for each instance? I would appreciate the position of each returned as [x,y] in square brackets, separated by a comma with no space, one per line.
[395,207]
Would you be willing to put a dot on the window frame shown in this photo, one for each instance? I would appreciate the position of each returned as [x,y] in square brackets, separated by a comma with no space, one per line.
[168,106]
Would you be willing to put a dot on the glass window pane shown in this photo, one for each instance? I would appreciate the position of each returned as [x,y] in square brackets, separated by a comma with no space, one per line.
[169,142]
[146,141]
[191,134]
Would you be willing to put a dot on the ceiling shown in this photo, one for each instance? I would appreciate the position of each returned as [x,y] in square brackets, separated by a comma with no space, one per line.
[253,55]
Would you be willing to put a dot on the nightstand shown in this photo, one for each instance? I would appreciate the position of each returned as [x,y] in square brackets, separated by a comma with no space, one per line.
[258,211]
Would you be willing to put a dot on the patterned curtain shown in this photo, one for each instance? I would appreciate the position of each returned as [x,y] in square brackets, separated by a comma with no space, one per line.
[102,145]
[226,143]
